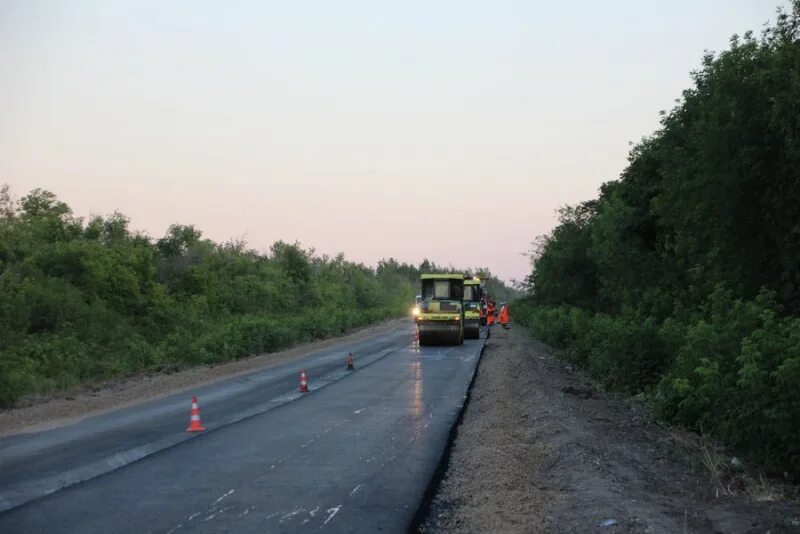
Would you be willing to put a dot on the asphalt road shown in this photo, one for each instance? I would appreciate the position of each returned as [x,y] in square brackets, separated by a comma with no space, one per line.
[354,455]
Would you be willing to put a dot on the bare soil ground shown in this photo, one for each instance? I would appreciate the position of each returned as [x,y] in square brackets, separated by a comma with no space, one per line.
[40,413]
[542,449]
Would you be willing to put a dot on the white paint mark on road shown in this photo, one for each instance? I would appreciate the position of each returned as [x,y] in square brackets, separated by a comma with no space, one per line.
[355,490]
[291,514]
[223,498]
[247,511]
[215,514]
[359,411]
[193,516]
[337,425]
[313,512]
[332,512]
[175,528]
[280,461]
[315,438]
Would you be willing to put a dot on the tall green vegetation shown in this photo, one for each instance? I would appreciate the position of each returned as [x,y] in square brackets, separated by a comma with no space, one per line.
[682,280]
[86,300]
[495,288]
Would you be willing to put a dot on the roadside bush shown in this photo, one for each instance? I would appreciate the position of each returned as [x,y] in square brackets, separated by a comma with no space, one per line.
[83,301]
[558,326]
[681,278]
[625,354]
[18,376]
[735,376]
[733,372]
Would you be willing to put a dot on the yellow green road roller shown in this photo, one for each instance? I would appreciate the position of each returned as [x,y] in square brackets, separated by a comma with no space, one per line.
[472,308]
[441,315]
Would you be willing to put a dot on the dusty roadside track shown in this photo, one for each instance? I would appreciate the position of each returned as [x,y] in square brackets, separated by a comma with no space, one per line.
[541,449]
[43,413]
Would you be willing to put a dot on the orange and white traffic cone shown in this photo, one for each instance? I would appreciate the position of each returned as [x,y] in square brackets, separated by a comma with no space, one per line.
[194,419]
[350,366]
[303,382]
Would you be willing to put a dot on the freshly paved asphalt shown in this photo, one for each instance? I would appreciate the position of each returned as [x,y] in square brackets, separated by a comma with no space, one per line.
[353,456]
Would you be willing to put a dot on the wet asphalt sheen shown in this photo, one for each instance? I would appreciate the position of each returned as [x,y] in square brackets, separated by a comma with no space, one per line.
[356,454]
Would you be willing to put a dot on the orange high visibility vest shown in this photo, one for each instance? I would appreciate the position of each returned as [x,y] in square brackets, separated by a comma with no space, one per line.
[504,315]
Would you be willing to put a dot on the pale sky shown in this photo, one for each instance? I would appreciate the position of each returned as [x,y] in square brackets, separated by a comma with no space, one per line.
[447,130]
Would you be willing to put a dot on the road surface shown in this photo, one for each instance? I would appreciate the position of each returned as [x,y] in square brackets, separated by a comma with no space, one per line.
[355,454]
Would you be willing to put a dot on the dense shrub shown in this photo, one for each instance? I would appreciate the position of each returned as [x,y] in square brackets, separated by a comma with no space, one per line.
[736,375]
[682,280]
[88,300]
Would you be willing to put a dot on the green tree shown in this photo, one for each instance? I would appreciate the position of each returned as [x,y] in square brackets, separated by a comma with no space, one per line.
[681,279]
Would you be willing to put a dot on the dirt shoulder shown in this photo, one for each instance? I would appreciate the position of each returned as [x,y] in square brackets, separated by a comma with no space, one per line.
[50,412]
[542,449]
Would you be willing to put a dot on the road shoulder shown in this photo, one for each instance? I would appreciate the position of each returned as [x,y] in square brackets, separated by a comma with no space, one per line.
[542,449]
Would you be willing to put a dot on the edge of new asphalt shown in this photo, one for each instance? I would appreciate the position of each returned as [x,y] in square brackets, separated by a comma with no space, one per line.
[37,489]
[444,461]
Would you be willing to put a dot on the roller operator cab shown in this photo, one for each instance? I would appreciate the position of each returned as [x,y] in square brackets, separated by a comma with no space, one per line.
[473,292]
[441,315]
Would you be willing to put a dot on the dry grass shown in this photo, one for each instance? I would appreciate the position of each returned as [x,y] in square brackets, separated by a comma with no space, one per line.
[726,480]
[715,465]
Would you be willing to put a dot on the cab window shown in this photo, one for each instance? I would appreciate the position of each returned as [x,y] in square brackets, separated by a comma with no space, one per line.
[441,289]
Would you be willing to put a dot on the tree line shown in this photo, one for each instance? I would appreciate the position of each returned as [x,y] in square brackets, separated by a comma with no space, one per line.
[86,300]
[681,281]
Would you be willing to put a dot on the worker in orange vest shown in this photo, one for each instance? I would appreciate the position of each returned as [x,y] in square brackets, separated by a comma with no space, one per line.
[504,316]
[490,314]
